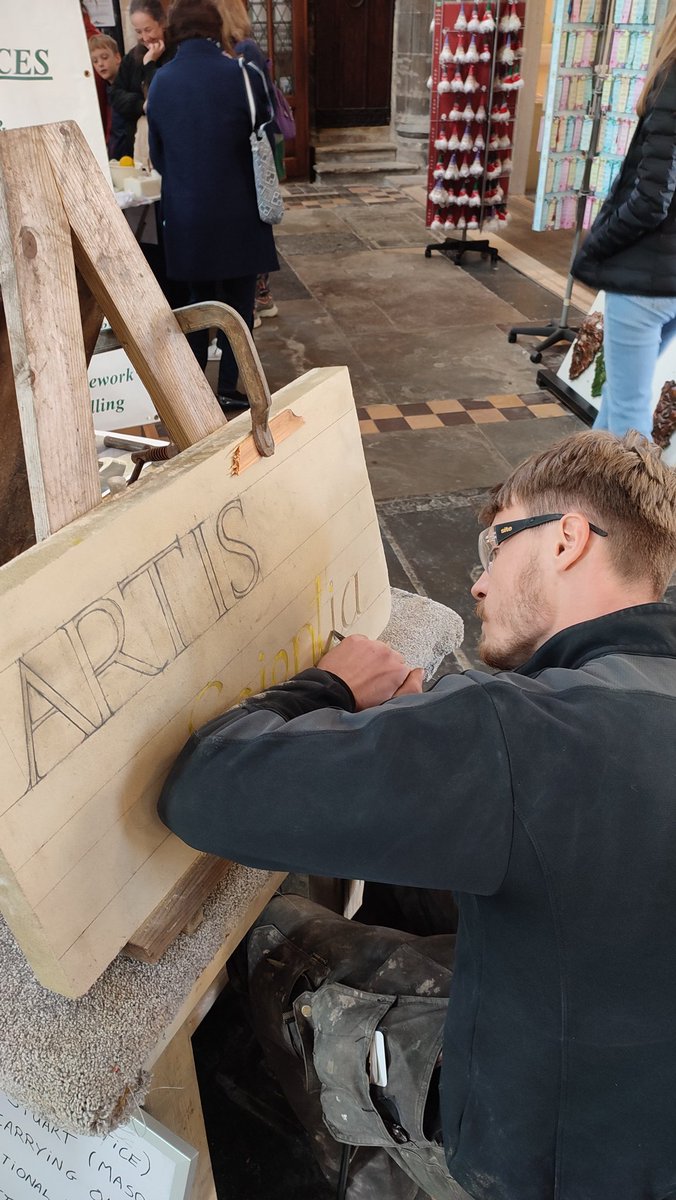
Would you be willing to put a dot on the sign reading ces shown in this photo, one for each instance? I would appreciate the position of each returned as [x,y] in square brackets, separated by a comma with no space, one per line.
[24,64]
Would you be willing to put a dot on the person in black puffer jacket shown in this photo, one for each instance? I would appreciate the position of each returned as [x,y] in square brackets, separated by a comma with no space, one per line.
[630,252]
[138,67]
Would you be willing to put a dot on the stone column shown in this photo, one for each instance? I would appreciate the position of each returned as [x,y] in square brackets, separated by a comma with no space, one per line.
[411,67]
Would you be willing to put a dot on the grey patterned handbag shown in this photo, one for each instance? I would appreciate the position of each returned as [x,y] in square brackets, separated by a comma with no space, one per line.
[268,195]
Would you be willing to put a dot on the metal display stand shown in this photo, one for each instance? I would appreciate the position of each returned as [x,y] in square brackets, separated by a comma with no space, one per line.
[554,332]
[494,90]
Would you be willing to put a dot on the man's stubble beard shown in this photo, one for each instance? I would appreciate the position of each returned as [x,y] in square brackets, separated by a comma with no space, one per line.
[518,645]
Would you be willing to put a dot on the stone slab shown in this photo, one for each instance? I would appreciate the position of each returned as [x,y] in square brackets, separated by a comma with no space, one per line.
[431,460]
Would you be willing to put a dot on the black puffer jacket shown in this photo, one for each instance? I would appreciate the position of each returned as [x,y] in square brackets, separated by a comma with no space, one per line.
[631,246]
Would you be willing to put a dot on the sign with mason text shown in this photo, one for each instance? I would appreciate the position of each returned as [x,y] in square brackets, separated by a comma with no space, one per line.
[138,1161]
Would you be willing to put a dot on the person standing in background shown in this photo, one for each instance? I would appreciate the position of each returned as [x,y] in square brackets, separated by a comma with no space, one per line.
[238,41]
[630,251]
[106,59]
[138,67]
[200,126]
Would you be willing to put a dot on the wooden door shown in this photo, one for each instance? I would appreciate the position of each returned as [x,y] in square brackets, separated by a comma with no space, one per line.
[280,28]
[353,62]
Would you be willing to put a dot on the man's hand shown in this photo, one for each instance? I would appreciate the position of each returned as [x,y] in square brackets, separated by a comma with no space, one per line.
[155,50]
[373,672]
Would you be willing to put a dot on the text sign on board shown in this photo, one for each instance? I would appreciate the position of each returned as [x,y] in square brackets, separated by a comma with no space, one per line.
[119,399]
[139,1161]
[45,70]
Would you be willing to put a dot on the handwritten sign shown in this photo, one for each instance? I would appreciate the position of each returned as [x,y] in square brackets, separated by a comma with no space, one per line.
[135,625]
[139,1161]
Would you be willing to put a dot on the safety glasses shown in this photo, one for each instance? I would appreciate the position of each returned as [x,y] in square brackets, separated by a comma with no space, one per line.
[491,539]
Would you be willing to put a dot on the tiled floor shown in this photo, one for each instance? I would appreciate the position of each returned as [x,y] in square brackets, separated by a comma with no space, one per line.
[436,414]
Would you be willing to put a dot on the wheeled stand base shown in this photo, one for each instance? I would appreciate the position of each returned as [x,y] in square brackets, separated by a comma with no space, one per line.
[552,332]
[455,248]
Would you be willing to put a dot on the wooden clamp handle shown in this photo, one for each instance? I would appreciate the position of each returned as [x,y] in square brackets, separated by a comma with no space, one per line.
[221,316]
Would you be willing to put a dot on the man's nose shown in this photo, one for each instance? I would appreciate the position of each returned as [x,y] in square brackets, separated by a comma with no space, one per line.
[478,590]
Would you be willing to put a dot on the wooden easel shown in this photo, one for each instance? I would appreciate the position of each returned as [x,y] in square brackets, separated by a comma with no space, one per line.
[68,257]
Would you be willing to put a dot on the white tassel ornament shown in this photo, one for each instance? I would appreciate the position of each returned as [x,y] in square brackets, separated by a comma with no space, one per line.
[452,171]
[461,23]
[446,55]
[444,84]
[476,168]
[479,143]
[485,55]
[439,195]
[507,54]
[457,84]
[464,169]
[471,82]
[467,113]
[480,114]
[466,142]
[439,171]
[453,139]
[459,55]
[474,24]
[472,54]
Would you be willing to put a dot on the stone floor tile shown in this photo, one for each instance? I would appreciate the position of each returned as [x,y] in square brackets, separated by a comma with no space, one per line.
[487,416]
[439,406]
[516,440]
[547,410]
[423,420]
[432,460]
[509,401]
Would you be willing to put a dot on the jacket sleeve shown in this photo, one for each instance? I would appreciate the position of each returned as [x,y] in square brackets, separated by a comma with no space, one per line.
[416,791]
[650,199]
[126,99]
[155,147]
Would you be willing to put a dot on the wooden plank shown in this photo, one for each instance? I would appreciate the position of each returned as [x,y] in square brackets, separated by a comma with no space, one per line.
[139,623]
[174,1099]
[208,986]
[177,910]
[111,261]
[37,276]
[17,527]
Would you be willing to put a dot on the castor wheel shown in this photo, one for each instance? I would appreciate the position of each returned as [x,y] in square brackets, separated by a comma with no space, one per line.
[536,356]
[511,336]
[428,252]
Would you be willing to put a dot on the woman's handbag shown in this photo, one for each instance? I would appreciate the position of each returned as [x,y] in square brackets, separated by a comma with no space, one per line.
[283,114]
[268,195]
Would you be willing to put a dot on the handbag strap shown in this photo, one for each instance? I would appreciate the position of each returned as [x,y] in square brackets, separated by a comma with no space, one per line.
[252,105]
[249,93]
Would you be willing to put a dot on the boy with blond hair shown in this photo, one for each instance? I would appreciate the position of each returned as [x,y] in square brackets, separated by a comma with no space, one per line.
[106,59]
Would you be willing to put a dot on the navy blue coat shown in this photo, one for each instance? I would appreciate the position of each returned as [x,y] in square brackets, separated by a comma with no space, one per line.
[199,126]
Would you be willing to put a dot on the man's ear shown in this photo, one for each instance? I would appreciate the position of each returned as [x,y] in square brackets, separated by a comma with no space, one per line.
[572,540]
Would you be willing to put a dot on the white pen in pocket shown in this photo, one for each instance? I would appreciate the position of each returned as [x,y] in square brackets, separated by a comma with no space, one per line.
[378,1060]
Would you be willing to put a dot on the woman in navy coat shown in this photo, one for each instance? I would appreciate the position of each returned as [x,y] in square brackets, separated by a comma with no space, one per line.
[199,126]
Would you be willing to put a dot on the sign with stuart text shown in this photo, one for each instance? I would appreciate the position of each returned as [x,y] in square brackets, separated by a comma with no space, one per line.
[124,632]
[139,1161]
[45,70]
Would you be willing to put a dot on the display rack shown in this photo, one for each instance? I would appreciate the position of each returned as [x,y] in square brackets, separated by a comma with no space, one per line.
[475,84]
[600,52]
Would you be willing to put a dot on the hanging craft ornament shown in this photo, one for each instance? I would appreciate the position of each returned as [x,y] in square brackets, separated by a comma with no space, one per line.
[446,55]
[494,169]
[481,114]
[467,113]
[439,195]
[471,82]
[466,142]
[474,199]
[439,171]
[485,55]
[511,83]
[487,21]
[441,140]
[472,222]
[514,19]
[443,85]
[472,54]
[437,224]
[494,143]
[429,83]
[461,23]
[452,171]
[506,166]
[464,169]
[462,223]
[479,143]
[453,140]
[503,217]
[455,114]
[450,222]
[457,84]
[504,143]
[506,53]
[459,55]
[476,168]
[474,24]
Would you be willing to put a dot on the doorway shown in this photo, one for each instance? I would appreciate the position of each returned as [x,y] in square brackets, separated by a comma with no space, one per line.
[353,62]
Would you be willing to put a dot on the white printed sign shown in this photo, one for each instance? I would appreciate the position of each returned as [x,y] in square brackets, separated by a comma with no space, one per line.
[119,399]
[45,70]
[139,1161]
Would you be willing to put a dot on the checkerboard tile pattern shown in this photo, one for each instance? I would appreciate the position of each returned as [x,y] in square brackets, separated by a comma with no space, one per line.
[435,414]
[357,194]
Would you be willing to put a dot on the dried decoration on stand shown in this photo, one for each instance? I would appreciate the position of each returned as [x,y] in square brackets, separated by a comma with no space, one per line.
[664,422]
[587,344]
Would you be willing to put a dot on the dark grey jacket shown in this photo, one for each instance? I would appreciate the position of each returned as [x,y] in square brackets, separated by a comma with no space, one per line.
[546,798]
[631,246]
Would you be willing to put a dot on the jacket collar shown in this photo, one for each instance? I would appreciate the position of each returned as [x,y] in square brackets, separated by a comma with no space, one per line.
[644,629]
[198,46]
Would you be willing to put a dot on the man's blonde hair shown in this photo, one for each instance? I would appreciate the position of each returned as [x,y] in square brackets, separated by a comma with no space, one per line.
[101,41]
[620,484]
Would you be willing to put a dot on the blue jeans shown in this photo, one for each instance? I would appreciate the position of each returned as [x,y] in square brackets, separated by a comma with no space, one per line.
[636,330]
